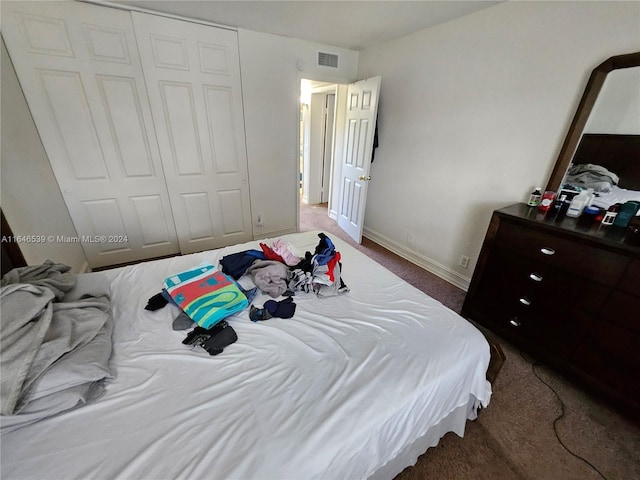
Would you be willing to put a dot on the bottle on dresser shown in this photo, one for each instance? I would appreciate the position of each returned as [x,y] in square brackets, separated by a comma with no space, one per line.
[560,206]
[611,214]
[627,211]
[579,202]
[534,198]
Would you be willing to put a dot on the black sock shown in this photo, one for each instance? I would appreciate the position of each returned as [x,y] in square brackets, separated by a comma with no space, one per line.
[156,302]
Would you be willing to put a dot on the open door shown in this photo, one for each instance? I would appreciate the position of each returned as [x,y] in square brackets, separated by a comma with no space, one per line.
[362,109]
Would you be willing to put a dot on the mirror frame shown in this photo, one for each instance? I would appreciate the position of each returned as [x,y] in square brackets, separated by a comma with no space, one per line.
[589,97]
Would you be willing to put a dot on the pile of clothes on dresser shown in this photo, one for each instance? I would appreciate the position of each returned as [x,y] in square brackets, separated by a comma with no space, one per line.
[206,295]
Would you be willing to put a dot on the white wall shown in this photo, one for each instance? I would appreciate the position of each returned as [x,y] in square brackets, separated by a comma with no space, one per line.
[30,196]
[472,115]
[271,93]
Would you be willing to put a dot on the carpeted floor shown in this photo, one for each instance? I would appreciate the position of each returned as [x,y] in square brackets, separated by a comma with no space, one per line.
[514,437]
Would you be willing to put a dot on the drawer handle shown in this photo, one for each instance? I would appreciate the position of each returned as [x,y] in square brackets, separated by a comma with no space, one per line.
[547,251]
[515,322]
[536,277]
[524,301]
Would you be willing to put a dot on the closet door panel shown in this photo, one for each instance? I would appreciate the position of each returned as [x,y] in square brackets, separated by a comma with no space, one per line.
[126,122]
[181,121]
[231,202]
[105,44]
[73,123]
[81,75]
[192,74]
[106,218]
[150,212]
[219,105]
[197,208]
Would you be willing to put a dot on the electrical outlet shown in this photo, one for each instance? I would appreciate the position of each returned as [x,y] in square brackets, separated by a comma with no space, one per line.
[259,220]
[464,261]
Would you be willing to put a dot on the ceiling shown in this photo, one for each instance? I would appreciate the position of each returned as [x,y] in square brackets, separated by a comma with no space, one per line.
[349,24]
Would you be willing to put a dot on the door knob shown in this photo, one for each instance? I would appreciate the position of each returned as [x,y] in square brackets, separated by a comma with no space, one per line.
[362,177]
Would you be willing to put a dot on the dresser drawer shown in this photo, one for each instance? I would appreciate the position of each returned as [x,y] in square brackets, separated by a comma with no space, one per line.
[554,331]
[599,265]
[521,279]
[523,313]
[622,310]
[630,281]
[609,355]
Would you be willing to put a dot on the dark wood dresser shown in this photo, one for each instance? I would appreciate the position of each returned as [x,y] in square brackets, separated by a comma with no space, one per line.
[566,293]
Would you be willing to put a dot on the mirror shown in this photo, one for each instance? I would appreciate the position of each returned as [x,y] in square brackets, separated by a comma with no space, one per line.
[605,133]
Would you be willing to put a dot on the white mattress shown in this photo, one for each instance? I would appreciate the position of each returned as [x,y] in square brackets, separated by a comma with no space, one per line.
[338,391]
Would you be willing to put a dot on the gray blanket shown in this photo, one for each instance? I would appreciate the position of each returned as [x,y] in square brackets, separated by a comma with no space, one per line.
[593,176]
[55,341]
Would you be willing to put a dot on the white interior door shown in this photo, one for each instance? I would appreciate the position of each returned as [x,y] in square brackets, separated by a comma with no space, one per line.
[362,109]
[79,68]
[192,75]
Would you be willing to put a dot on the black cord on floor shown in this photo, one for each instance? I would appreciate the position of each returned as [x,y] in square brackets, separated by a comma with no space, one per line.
[559,417]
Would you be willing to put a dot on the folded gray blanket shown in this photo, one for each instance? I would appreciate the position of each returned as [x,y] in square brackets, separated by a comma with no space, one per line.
[55,341]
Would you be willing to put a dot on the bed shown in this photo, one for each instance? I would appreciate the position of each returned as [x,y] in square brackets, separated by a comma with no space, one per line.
[355,385]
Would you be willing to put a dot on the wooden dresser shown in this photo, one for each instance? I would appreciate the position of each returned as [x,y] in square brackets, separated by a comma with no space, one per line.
[566,293]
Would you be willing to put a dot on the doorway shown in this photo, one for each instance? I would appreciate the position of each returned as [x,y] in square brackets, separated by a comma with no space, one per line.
[317,142]
[346,156]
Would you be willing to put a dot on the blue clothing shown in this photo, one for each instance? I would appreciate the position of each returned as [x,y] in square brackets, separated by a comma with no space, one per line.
[236,264]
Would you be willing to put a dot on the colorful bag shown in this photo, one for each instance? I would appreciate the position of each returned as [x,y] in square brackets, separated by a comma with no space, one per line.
[206,294]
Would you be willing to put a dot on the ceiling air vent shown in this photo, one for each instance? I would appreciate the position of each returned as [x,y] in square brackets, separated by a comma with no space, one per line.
[328,59]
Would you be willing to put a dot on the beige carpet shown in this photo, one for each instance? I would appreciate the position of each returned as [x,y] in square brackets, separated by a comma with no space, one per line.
[514,437]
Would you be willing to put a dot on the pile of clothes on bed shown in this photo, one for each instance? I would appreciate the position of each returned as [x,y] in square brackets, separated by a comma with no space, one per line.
[206,296]
[55,342]
[277,271]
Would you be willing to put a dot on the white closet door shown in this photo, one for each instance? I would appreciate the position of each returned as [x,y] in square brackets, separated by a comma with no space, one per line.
[79,68]
[192,74]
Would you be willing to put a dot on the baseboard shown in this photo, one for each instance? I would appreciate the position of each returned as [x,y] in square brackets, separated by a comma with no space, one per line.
[432,266]
[257,235]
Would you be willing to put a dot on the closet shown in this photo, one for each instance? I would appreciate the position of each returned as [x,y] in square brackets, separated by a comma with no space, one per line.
[141,118]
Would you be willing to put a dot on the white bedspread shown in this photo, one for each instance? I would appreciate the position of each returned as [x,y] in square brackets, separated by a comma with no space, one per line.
[335,392]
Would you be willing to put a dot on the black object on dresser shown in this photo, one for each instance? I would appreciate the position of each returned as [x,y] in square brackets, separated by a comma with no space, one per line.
[565,292]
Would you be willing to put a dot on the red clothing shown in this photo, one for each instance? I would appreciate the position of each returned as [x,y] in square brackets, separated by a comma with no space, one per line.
[269,254]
